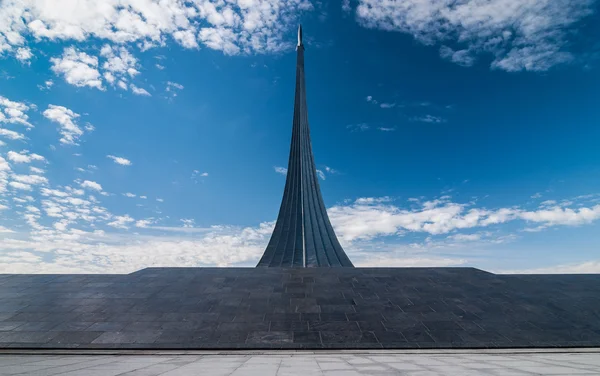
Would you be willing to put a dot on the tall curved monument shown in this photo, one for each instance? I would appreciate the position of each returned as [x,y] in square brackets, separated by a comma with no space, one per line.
[303,236]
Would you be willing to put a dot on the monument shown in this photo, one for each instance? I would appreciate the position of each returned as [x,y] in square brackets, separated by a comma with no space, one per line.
[303,235]
[294,302]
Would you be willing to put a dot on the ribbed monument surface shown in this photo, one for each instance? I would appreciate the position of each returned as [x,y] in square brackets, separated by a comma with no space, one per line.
[303,236]
[260,308]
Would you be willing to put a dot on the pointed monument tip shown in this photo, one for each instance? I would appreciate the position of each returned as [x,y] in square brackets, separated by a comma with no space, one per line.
[299,35]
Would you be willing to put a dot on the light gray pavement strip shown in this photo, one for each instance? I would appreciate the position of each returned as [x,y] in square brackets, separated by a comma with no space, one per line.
[284,363]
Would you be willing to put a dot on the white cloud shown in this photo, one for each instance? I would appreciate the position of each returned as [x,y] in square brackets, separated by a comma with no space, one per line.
[19,185]
[390,261]
[77,251]
[23,54]
[520,35]
[587,267]
[129,194]
[536,195]
[321,174]
[465,237]
[14,112]
[4,170]
[280,170]
[11,135]
[119,61]
[120,160]
[143,223]
[30,179]
[24,157]
[346,6]
[92,185]
[429,119]
[361,127]
[66,248]
[368,218]
[372,200]
[119,67]
[69,130]
[160,200]
[175,85]
[78,68]
[331,171]
[562,216]
[196,174]
[139,91]
[387,105]
[462,57]
[121,221]
[187,222]
[187,38]
[47,85]
[241,26]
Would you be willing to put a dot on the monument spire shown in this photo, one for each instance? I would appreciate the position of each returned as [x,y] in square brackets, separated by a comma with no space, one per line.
[303,236]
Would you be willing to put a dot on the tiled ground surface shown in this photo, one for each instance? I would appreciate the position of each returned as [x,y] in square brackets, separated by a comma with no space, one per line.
[299,308]
[304,364]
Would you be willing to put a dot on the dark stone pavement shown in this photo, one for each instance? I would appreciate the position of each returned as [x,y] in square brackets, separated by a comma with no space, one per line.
[265,308]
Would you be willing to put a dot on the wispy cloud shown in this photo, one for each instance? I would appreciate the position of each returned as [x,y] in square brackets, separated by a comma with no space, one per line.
[532,35]
[24,157]
[280,170]
[120,64]
[14,112]
[198,174]
[120,160]
[331,170]
[360,127]
[66,119]
[47,85]
[188,222]
[586,267]
[121,222]
[428,119]
[92,185]
[139,91]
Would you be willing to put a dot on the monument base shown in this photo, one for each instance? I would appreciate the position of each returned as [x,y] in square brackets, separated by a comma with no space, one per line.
[280,308]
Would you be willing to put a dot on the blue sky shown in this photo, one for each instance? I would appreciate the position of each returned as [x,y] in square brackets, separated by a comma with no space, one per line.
[447,133]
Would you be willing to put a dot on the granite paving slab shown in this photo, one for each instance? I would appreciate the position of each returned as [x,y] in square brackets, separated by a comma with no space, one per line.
[296,308]
[392,363]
